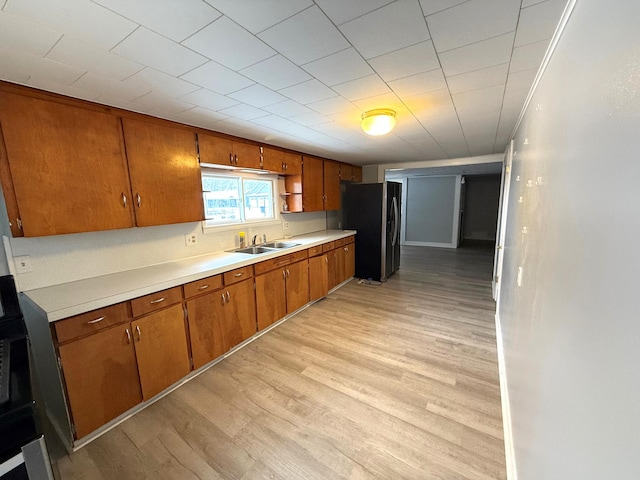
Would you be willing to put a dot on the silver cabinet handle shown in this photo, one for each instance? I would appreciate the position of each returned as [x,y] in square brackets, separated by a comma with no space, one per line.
[203,287]
[128,335]
[99,319]
[138,332]
[124,200]
[235,160]
[231,159]
[288,273]
[161,299]
[346,249]
[138,200]
[223,299]
[326,259]
[238,275]
[284,274]
[228,297]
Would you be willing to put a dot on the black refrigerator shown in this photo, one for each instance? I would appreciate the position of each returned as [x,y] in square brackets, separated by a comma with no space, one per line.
[373,209]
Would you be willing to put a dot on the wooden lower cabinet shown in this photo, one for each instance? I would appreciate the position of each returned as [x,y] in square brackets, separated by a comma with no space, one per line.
[345,262]
[332,268]
[281,291]
[161,349]
[318,277]
[101,376]
[206,328]
[239,313]
[271,299]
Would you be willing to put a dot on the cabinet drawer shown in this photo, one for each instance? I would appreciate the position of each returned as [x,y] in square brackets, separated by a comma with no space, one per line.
[340,242]
[205,285]
[90,322]
[237,275]
[280,261]
[315,251]
[328,246]
[155,301]
[351,239]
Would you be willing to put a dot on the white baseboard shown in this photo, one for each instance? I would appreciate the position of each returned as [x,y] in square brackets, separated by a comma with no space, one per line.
[512,472]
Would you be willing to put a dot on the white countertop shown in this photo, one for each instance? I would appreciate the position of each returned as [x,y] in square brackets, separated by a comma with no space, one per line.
[68,299]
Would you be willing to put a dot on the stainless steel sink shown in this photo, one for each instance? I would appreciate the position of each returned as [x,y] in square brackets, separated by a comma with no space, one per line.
[255,250]
[280,244]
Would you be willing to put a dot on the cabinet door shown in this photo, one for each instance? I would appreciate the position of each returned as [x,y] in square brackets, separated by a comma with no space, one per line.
[350,260]
[332,268]
[271,303]
[273,160]
[161,349]
[318,277]
[165,173]
[239,312]
[346,172]
[331,185]
[101,377]
[68,167]
[292,164]
[312,186]
[297,285]
[246,155]
[357,173]
[206,321]
[215,150]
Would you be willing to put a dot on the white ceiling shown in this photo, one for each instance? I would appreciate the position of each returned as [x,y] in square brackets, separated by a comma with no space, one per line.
[295,73]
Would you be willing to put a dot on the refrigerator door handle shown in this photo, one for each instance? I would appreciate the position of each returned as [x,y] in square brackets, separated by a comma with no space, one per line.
[396,226]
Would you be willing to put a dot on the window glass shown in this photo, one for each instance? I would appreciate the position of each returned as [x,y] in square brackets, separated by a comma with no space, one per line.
[237,198]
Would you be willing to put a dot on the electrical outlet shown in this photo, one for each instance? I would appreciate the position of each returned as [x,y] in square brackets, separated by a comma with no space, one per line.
[23,264]
[190,239]
[285,225]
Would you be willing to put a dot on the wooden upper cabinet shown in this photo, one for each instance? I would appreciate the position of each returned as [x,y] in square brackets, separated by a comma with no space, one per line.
[331,185]
[356,171]
[312,185]
[281,162]
[224,151]
[350,173]
[66,166]
[165,173]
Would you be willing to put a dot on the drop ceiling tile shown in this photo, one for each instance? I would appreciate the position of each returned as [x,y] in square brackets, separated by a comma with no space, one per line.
[258,15]
[287,109]
[420,83]
[528,56]
[480,124]
[20,34]
[175,20]
[217,78]
[339,67]
[387,29]
[515,98]
[85,56]
[405,62]
[153,50]
[110,87]
[522,79]
[118,102]
[244,112]
[200,117]
[479,101]
[429,7]
[472,22]
[362,88]
[331,106]
[276,73]
[209,100]
[229,44]
[538,22]
[430,103]
[79,18]
[305,37]
[310,119]
[257,96]
[486,53]
[340,11]
[44,83]
[155,80]
[485,77]
[308,92]
[275,122]
[159,102]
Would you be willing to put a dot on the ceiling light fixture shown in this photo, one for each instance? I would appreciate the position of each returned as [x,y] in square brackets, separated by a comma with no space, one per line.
[378,122]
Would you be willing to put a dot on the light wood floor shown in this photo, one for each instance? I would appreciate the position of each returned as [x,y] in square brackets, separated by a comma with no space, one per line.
[398,381]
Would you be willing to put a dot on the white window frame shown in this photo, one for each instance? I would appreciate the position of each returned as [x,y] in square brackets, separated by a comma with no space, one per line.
[210,226]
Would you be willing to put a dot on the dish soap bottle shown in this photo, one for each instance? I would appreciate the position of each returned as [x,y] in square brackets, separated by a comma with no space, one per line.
[242,240]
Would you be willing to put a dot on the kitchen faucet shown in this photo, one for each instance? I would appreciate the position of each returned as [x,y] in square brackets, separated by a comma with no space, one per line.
[264,239]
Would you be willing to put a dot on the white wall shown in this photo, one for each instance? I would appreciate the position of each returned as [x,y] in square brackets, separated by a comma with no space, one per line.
[571,332]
